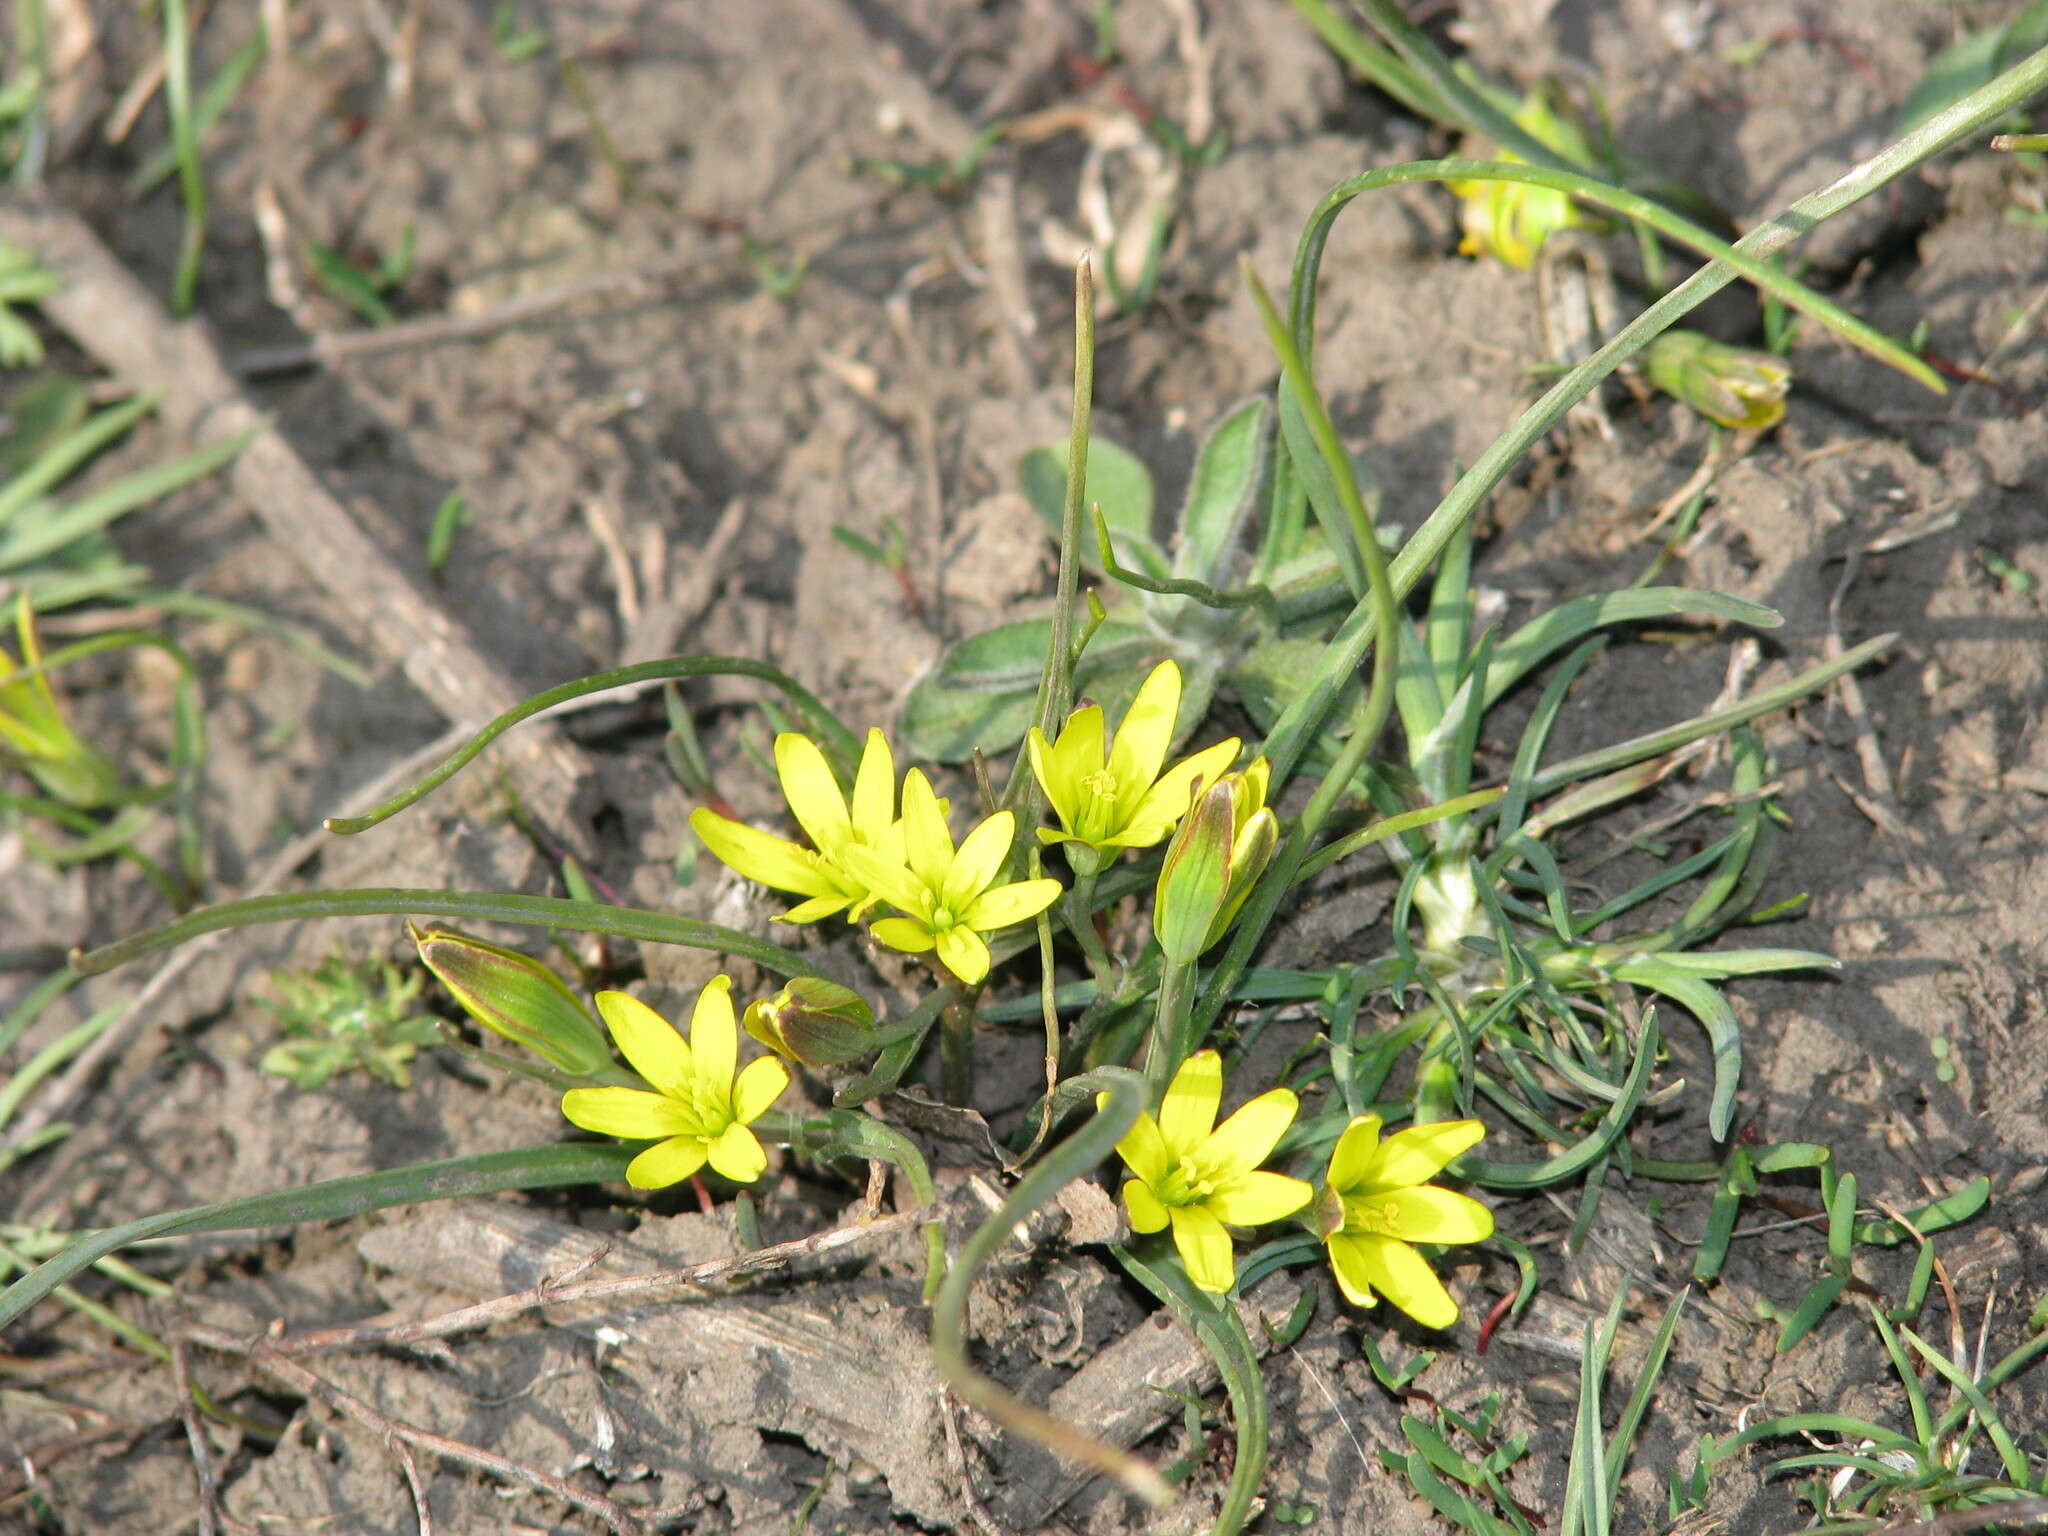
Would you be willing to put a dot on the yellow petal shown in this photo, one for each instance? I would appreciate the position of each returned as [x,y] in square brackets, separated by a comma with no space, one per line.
[1352,1158]
[1404,1277]
[1011,903]
[1420,1153]
[1143,1149]
[927,842]
[1147,1214]
[816,908]
[813,794]
[627,1112]
[1204,1247]
[1253,1199]
[980,859]
[715,1037]
[874,790]
[667,1162]
[1427,1214]
[1349,1268]
[737,1154]
[962,952]
[1168,799]
[886,878]
[1145,733]
[1187,1114]
[903,933]
[773,861]
[649,1042]
[757,1087]
[1248,1137]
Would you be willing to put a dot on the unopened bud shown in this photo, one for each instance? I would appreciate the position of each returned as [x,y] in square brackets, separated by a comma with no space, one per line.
[1218,853]
[1730,385]
[515,996]
[813,1021]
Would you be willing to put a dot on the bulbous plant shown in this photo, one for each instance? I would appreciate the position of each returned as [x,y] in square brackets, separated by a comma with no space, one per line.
[1516,999]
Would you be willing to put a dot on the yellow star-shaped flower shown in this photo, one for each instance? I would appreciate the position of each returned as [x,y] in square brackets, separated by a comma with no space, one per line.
[699,1108]
[1200,1177]
[948,897]
[1378,1202]
[1117,798]
[818,872]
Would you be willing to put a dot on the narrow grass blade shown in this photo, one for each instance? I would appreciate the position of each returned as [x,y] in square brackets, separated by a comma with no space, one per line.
[481,907]
[486,1173]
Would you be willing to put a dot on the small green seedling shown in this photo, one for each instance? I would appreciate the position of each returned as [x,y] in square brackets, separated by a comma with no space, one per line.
[348,1015]
[363,287]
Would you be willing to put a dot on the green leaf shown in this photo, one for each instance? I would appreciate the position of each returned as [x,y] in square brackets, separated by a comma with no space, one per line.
[1724,1033]
[1314,475]
[1222,494]
[487,1173]
[1529,646]
[1117,480]
[1267,677]
[981,693]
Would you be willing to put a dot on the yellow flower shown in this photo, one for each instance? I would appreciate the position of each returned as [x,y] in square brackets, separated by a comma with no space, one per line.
[1116,800]
[818,872]
[1511,220]
[34,733]
[949,897]
[1211,864]
[1200,1177]
[1378,1202]
[699,1108]
[1729,385]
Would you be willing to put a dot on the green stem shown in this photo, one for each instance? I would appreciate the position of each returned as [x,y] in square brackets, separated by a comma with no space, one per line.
[1056,682]
[956,1048]
[1081,924]
[1170,1044]
[1068,1161]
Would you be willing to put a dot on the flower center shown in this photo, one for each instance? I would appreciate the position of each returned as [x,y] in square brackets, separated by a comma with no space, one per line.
[943,918]
[1098,810]
[1186,1183]
[1382,1218]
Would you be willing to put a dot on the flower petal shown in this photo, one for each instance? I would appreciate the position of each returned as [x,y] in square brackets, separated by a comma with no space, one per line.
[1168,799]
[667,1162]
[757,1087]
[629,1112]
[737,1154]
[1187,1114]
[1145,732]
[772,861]
[1427,1214]
[962,952]
[1143,1149]
[904,933]
[1147,1214]
[1012,903]
[979,860]
[1404,1277]
[813,910]
[1253,1199]
[813,794]
[1248,1137]
[927,841]
[649,1042]
[1348,1266]
[715,1038]
[1204,1247]
[874,790]
[1352,1158]
[886,878]
[1419,1153]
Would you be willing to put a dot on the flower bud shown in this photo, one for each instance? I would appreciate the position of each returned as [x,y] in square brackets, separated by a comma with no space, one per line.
[813,1021]
[35,735]
[1511,220]
[1218,853]
[1729,385]
[515,996]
